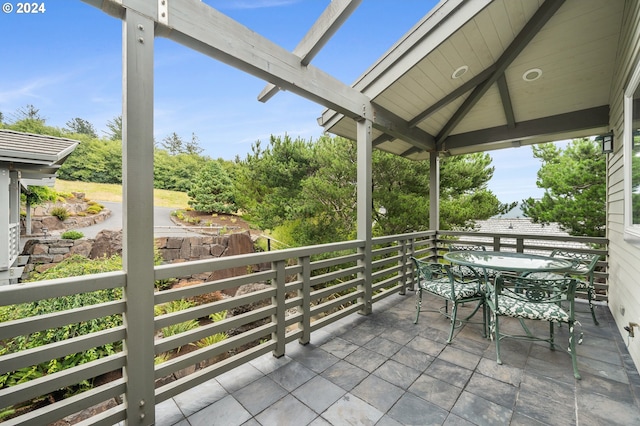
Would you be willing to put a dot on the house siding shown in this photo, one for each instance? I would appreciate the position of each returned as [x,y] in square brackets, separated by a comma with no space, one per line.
[624,258]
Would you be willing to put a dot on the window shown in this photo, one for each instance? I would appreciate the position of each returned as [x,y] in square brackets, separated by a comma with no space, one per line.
[632,157]
[635,158]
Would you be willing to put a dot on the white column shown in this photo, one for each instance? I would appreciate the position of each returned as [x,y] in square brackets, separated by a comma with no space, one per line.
[4,220]
[364,203]
[137,244]
[434,191]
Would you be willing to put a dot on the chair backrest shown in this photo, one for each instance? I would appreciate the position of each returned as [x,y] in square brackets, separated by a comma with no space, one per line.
[461,247]
[532,290]
[429,270]
[583,263]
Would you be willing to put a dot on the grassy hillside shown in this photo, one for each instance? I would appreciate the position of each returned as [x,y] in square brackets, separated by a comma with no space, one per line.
[111,192]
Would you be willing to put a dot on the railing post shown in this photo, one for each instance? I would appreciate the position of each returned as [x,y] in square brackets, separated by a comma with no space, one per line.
[403,267]
[305,294]
[137,243]
[409,263]
[279,301]
[434,246]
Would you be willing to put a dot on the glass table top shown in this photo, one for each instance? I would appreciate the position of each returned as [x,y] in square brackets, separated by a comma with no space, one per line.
[507,261]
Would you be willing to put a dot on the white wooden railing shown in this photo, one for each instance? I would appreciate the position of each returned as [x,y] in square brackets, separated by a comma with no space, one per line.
[305,289]
[14,242]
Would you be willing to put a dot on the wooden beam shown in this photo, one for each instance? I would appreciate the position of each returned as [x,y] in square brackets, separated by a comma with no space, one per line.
[202,28]
[327,24]
[531,28]
[562,123]
[450,97]
[503,88]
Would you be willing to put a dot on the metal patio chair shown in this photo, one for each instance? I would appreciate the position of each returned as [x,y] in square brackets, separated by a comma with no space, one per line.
[527,298]
[466,271]
[440,280]
[584,265]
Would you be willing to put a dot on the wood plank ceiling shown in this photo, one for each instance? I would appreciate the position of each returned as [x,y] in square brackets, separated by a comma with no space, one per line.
[511,73]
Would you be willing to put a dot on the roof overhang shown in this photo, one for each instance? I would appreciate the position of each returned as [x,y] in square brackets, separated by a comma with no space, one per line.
[483,75]
[36,157]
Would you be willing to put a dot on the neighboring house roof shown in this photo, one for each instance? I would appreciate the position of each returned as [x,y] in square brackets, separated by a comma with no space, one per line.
[35,156]
[518,226]
[523,226]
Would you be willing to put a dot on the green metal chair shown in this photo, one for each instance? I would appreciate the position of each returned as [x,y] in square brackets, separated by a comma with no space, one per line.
[466,271]
[584,265]
[527,298]
[439,280]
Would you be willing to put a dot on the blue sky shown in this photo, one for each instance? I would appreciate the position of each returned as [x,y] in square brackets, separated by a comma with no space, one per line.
[67,62]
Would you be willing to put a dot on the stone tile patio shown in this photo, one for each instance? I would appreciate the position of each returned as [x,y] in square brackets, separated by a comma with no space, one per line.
[383,370]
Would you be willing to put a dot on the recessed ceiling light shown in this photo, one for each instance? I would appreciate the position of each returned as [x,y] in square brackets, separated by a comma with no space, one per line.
[460,71]
[532,74]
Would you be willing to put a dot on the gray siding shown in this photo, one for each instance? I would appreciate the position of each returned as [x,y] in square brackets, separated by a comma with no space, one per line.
[624,258]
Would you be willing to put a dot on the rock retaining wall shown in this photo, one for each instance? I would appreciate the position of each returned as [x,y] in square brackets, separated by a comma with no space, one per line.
[45,253]
[43,223]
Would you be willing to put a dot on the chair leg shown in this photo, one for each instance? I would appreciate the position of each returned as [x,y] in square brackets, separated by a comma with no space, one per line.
[496,334]
[590,296]
[572,350]
[418,304]
[454,311]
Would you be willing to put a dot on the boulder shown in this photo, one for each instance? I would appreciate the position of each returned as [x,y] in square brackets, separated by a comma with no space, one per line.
[246,289]
[106,244]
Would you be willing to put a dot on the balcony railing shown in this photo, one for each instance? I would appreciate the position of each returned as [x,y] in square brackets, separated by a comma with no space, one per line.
[304,289]
[14,242]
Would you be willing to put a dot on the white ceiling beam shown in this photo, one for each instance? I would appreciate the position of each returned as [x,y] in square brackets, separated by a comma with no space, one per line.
[578,121]
[322,30]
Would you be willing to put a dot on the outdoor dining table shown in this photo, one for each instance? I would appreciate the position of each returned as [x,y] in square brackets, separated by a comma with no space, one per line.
[507,261]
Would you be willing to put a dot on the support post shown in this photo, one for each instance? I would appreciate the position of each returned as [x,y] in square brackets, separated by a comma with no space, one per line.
[4,223]
[434,191]
[14,197]
[27,219]
[364,203]
[137,196]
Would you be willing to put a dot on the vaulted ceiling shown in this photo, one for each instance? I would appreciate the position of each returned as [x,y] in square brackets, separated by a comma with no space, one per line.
[482,75]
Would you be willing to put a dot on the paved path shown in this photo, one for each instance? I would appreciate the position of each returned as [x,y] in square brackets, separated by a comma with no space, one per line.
[163,226]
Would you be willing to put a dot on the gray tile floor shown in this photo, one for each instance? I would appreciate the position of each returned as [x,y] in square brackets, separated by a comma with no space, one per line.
[383,370]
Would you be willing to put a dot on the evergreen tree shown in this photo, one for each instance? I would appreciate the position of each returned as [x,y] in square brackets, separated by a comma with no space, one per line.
[115,129]
[574,180]
[81,126]
[173,144]
[212,190]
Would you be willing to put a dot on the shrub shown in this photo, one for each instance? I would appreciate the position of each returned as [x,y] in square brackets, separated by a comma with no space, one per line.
[165,283]
[40,194]
[60,212]
[72,235]
[95,208]
[214,338]
[73,266]
[77,265]
[173,329]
